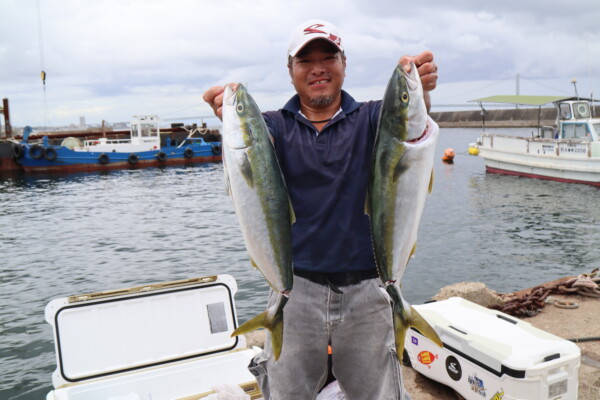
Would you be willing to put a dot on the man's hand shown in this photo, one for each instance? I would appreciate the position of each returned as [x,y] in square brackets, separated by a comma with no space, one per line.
[214,98]
[427,71]
[426,67]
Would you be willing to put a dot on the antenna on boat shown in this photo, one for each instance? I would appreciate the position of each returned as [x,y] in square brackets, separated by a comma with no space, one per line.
[574,82]
[483,112]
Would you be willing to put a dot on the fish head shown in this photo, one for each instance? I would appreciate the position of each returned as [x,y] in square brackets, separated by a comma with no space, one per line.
[417,111]
[239,113]
[394,109]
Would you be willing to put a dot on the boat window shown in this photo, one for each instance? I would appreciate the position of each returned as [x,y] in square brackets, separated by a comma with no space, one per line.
[565,111]
[581,110]
[597,130]
[575,131]
[134,130]
[148,130]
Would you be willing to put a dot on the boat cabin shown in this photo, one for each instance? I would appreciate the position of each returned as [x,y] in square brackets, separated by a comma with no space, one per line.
[575,121]
[144,136]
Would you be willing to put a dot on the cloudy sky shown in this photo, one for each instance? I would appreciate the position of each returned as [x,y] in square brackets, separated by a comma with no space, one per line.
[111,59]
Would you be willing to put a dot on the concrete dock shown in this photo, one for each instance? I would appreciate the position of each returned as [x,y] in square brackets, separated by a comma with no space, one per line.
[499,118]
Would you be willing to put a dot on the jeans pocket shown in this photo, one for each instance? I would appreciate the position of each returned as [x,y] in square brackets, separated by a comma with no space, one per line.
[258,368]
[383,294]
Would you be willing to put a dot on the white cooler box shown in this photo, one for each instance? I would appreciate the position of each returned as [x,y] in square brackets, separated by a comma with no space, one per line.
[490,355]
[154,342]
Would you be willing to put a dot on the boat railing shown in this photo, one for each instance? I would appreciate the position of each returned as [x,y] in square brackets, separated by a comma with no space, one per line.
[577,148]
[95,142]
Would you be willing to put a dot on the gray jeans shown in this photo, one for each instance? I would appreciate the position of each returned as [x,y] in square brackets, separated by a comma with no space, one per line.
[357,323]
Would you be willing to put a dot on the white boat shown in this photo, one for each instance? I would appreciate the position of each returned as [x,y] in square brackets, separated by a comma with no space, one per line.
[569,151]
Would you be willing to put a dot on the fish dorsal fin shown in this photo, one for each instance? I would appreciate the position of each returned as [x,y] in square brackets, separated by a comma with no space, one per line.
[246,170]
[431,182]
[368,209]
[292,213]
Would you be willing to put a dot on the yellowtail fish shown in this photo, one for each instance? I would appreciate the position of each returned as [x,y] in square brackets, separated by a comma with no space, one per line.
[401,177]
[261,202]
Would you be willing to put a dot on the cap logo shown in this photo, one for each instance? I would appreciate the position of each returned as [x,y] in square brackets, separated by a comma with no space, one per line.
[315,29]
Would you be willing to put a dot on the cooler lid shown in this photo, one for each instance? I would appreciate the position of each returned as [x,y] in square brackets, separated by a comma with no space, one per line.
[105,333]
[492,339]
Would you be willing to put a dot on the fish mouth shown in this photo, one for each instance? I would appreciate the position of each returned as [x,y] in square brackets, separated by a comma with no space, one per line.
[229,96]
[411,77]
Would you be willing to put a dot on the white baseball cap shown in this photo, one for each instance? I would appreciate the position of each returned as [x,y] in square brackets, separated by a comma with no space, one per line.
[311,30]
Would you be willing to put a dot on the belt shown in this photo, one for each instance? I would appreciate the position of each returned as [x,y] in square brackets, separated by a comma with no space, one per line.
[336,279]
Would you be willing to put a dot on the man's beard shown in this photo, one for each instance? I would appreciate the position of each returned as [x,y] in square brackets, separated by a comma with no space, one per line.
[321,101]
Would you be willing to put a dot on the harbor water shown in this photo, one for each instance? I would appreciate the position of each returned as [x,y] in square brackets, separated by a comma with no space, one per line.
[69,234]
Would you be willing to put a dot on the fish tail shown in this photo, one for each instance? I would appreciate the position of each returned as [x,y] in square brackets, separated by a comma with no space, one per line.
[404,318]
[420,324]
[400,329]
[273,321]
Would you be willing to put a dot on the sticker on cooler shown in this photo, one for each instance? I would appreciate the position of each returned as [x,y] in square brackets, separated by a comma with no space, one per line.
[426,358]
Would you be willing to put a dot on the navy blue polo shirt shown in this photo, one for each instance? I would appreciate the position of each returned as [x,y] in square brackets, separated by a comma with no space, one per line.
[327,177]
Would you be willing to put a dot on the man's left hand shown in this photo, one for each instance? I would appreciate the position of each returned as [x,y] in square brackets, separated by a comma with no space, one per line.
[426,67]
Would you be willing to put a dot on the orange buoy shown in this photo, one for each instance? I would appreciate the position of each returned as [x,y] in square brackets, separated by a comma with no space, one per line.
[448,156]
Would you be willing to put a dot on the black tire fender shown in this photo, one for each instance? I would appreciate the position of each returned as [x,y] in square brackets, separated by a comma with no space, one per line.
[50,153]
[36,151]
[103,158]
[133,159]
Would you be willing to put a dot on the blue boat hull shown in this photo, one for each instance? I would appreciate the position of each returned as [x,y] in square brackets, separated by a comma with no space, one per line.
[39,158]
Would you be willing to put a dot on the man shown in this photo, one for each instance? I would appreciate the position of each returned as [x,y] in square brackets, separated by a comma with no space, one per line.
[324,140]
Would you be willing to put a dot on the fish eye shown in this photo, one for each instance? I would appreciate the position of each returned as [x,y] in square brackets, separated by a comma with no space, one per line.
[240,107]
[404,97]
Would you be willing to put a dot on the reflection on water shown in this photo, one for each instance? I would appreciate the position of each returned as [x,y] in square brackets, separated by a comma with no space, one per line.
[63,235]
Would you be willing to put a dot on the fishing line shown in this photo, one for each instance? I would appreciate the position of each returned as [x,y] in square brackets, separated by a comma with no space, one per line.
[42,62]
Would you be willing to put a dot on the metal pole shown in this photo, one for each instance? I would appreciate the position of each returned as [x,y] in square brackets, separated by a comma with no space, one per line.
[518,89]
[7,117]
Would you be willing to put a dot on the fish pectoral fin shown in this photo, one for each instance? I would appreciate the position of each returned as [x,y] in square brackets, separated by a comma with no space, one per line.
[413,251]
[430,188]
[399,168]
[246,171]
[227,185]
[420,324]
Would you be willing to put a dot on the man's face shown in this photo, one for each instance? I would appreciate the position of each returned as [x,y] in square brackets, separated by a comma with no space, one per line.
[318,72]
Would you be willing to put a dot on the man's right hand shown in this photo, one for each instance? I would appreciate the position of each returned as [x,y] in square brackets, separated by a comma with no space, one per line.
[214,98]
